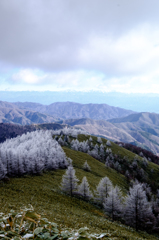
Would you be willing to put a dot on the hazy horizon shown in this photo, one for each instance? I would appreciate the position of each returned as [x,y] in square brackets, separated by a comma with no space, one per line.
[136,102]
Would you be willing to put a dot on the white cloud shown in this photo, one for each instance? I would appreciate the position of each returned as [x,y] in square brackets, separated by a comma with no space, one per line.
[27,79]
[90,45]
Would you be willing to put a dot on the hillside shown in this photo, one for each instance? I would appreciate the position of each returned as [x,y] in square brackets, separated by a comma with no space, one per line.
[100,128]
[67,110]
[44,193]
[10,113]
[143,127]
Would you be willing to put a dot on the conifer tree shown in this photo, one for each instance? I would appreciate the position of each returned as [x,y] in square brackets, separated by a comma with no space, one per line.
[113,203]
[99,140]
[138,211]
[108,143]
[83,189]
[69,181]
[86,167]
[103,189]
[3,170]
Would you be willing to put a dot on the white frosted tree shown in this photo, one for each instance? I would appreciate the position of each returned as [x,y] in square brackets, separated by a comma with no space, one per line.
[3,170]
[93,153]
[86,167]
[113,203]
[84,190]
[32,153]
[101,152]
[138,211]
[75,144]
[69,181]
[108,143]
[90,139]
[99,140]
[103,189]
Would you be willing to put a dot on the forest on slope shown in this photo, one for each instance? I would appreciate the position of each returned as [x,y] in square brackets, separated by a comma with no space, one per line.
[32,154]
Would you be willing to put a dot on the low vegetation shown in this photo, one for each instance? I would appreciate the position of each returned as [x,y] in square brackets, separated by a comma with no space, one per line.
[74,211]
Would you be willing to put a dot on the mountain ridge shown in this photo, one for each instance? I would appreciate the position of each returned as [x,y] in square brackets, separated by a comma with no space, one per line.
[68,110]
[10,113]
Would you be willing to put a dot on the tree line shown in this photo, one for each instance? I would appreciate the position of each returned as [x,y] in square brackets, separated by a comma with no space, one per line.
[134,209]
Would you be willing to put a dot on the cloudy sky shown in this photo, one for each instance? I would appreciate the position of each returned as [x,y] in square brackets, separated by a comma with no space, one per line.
[105,45]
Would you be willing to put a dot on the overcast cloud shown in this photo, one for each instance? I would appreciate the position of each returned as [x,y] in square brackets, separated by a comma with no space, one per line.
[108,45]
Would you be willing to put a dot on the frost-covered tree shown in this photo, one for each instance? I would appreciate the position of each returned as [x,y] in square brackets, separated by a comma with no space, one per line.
[108,143]
[108,151]
[107,163]
[3,170]
[94,153]
[69,181]
[83,146]
[84,189]
[103,189]
[99,140]
[31,153]
[86,167]
[113,203]
[101,152]
[60,141]
[69,131]
[75,144]
[90,139]
[138,212]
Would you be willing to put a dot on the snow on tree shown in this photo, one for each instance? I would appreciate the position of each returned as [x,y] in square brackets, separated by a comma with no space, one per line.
[141,154]
[108,151]
[90,139]
[86,167]
[83,146]
[69,160]
[107,163]
[113,203]
[94,153]
[31,153]
[60,141]
[75,145]
[3,170]
[69,181]
[138,212]
[69,131]
[83,189]
[101,152]
[103,189]
[108,143]
[99,140]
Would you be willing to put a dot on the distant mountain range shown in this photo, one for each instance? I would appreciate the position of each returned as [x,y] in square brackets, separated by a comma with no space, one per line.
[117,124]
[140,129]
[10,113]
[68,110]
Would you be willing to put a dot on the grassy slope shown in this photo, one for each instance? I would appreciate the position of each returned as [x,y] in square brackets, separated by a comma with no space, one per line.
[44,194]
[98,170]
[152,169]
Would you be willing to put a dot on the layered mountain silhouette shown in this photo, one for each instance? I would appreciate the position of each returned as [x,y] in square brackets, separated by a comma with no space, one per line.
[10,113]
[117,124]
[140,129]
[69,110]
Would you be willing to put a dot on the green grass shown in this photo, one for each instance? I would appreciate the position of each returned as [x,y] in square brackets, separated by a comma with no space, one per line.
[98,170]
[152,170]
[44,194]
